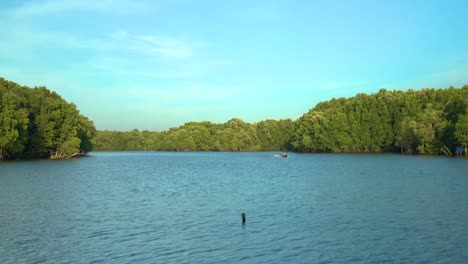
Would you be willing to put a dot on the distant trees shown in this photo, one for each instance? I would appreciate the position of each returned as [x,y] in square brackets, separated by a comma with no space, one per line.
[38,123]
[428,121]
[234,135]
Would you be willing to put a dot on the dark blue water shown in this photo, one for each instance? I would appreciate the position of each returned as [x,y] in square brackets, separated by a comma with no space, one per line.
[158,207]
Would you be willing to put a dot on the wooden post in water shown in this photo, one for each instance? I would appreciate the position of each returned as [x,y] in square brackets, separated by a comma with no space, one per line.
[243,218]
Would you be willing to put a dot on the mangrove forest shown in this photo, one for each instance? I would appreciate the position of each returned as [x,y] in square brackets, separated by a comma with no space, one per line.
[38,123]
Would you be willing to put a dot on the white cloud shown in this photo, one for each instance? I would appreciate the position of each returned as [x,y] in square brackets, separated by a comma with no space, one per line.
[118,41]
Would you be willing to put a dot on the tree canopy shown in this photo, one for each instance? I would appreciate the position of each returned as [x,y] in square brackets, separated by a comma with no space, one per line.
[428,121]
[234,135]
[38,123]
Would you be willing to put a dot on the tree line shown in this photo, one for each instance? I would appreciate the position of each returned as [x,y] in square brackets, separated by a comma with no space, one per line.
[234,135]
[38,123]
[427,121]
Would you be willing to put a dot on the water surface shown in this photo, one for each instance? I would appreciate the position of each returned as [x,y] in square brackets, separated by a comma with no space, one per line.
[162,207]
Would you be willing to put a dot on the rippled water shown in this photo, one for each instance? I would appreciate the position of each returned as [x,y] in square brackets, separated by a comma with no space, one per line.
[159,207]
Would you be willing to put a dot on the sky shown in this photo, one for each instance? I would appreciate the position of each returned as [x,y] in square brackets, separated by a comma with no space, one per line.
[152,65]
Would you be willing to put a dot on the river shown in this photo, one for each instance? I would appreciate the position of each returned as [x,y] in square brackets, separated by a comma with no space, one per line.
[179,207]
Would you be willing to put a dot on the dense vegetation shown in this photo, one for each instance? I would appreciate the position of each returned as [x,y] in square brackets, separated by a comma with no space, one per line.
[38,123]
[234,135]
[428,121]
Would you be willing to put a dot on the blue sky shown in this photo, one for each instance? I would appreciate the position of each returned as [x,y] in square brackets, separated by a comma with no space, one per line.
[158,64]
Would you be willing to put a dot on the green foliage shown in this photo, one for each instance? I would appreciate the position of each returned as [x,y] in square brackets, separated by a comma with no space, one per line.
[461,132]
[38,123]
[234,135]
[412,122]
[13,124]
[424,122]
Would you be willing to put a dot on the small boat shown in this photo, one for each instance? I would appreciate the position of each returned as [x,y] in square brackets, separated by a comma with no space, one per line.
[284,155]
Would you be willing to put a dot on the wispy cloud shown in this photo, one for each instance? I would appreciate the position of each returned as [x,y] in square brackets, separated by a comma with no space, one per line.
[48,7]
[133,66]
[118,42]
[166,46]
[23,25]
[149,44]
